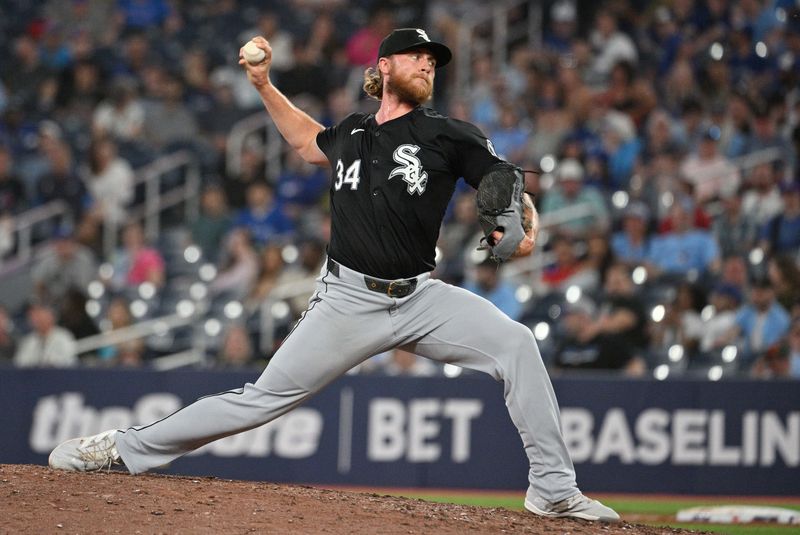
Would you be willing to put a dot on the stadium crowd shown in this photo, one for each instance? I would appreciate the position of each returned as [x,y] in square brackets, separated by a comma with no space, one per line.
[666,135]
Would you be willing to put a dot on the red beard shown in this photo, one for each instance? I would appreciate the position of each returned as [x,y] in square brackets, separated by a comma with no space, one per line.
[409,89]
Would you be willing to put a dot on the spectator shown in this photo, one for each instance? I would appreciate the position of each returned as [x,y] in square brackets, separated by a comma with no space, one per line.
[73,316]
[782,233]
[143,14]
[682,324]
[782,359]
[8,340]
[622,146]
[216,122]
[735,231]
[568,270]
[632,245]
[263,217]
[135,262]
[167,121]
[118,316]
[763,200]
[711,174]
[240,266]
[237,351]
[510,137]
[362,47]
[308,76]
[12,191]
[213,223]
[686,248]
[725,298]
[251,170]
[457,238]
[610,46]
[571,194]
[599,256]
[48,345]
[300,186]
[65,266]
[487,283]
[784,275]
[761,322]
[269,271]
[109,180]
[612,336]
[561,32]
[61,182]
[627,93]
[28,75]
[312,257]
[121,116]
[734,272]
[765,135]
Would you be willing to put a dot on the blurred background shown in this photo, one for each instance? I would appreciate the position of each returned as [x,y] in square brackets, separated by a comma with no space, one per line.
[151,216]
[158,239]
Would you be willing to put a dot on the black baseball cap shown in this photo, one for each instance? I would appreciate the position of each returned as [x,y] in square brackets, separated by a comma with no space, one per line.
[403,39]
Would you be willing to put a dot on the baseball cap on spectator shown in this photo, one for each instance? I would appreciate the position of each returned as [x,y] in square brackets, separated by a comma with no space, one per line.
[729,290]
[570,169]
[404,39]
[62,232]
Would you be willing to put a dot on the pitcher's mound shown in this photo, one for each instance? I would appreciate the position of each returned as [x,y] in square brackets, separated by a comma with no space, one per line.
[36,499]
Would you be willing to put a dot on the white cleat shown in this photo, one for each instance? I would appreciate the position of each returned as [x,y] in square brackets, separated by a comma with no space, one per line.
[87,453]
[577,506]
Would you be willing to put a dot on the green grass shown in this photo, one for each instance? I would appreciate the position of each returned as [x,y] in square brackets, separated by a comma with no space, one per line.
[630,506]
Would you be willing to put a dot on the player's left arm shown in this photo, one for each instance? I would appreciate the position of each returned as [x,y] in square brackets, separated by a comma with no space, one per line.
[507,214]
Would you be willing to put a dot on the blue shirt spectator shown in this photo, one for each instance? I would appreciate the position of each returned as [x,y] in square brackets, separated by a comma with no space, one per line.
[686,248]
[263,218]
[632,245]
[681,253]
[143,13]
[763,321]
[500,293]
[781,234]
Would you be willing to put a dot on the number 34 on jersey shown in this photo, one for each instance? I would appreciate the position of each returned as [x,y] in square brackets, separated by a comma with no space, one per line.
[352,176]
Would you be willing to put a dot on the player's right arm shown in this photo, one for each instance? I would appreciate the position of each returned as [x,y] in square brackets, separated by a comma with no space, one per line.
[296,126]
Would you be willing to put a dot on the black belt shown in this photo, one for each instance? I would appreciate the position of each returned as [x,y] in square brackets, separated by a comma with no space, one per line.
[395,288]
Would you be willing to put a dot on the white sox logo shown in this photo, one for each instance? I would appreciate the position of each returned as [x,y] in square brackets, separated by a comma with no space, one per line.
[410,169]
[423,34]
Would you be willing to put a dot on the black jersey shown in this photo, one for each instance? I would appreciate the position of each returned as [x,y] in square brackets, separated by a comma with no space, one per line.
[391,185]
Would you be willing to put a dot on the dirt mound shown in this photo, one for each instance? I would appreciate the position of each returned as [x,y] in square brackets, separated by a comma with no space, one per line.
[35,499]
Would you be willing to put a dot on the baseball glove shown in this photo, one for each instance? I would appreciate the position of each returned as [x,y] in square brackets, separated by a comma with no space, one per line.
[506,213]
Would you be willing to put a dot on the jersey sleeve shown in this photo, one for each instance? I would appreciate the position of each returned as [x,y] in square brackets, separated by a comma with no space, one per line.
[470,152]
[328,138]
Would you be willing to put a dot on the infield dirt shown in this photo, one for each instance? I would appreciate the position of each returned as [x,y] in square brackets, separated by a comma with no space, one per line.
[36,499]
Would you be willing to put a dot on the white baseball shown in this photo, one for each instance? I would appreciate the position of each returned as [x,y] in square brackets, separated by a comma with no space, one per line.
[252,54]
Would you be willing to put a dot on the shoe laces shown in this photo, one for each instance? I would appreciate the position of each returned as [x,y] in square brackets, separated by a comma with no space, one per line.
[100,450]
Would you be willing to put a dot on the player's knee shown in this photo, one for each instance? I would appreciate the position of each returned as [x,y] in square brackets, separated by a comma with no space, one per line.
[518,341]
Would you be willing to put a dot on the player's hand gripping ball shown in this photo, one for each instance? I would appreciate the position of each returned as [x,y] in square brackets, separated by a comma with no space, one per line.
[252,54]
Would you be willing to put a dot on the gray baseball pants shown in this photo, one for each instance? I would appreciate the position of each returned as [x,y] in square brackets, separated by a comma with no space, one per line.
[345,324]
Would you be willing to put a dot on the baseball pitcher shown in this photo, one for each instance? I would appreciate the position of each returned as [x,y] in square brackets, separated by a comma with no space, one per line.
[392,176]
